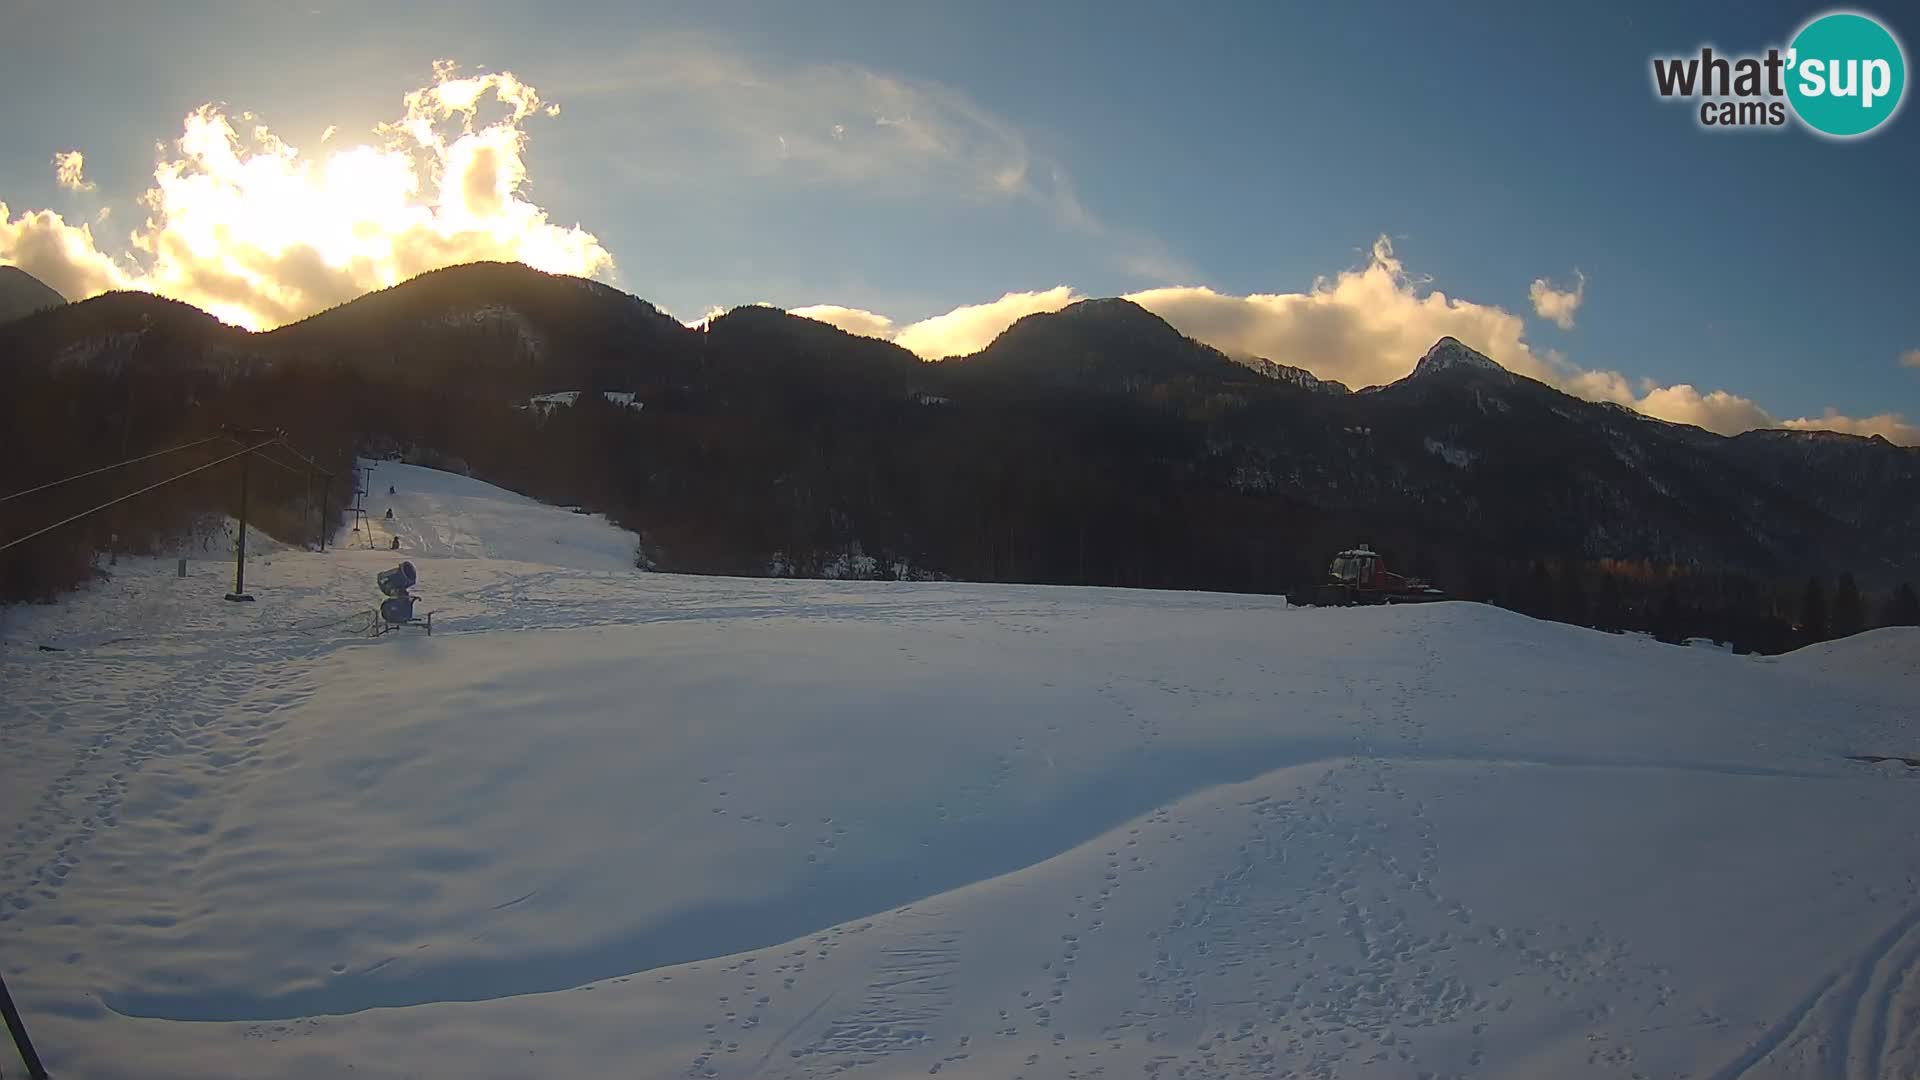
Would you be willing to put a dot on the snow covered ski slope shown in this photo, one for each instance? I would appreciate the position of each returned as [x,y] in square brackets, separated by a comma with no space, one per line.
[606,823]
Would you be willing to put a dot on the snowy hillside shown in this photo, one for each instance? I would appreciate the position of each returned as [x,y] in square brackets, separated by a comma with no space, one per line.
[611,823]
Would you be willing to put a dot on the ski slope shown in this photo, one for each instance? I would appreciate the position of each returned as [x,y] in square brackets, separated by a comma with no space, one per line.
[612,823]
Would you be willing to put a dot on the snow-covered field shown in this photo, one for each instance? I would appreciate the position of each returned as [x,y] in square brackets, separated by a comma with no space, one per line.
[606,823]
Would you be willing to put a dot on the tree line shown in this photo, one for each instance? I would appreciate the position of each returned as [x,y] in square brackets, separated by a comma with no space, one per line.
[1677,604]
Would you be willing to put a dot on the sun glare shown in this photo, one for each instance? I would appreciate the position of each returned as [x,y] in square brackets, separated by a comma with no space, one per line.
[246,226]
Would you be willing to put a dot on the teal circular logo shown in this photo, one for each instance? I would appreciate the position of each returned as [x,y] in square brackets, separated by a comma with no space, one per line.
[1846,74]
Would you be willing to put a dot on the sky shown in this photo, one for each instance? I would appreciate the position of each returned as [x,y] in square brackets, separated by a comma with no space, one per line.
[1330,186]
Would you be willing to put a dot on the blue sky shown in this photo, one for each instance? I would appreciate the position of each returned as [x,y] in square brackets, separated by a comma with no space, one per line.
[1247,149]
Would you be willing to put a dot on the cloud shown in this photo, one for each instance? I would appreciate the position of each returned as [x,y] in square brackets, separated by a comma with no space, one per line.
[62,255]
[1890,426]
[852,320]
[966,330]
[68,171]
[1724,412]
[1910,358]
[960,332]
[1716,410]
[836,124]
[243,225]
[822,123]
[1363,326]
[706,317]
[1558,305]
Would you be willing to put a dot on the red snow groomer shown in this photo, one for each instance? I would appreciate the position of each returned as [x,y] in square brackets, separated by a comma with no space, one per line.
[1360,576]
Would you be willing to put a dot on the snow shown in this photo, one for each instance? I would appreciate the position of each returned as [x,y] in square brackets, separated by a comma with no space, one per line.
[1449,354]
[606,822]
[1300,377]
[1887,658]
[443,515]
[1248,477]
[1457,456]
[546,403]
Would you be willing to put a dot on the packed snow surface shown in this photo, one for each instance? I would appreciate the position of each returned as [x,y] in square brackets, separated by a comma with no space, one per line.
[607,823]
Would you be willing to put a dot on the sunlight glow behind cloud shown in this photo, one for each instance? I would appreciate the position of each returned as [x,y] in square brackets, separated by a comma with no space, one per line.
[243,225]
[246,226]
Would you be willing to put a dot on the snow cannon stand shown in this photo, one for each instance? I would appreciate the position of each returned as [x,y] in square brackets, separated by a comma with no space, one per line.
[396,606]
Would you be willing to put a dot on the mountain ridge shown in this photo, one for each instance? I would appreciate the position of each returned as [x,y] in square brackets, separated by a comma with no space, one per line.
[1105,444]
[494,280]
[23,294]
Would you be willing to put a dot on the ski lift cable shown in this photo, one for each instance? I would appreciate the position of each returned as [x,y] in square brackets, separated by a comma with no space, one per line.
[314,465]
[262,455]
[129,495]
[280,439]
[105,468]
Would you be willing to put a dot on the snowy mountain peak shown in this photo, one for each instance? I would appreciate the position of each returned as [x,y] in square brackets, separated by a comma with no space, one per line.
[1298,376]
[1448,354]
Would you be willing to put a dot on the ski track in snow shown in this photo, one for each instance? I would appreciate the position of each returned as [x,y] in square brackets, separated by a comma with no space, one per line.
[1123,876]
[1860,1023]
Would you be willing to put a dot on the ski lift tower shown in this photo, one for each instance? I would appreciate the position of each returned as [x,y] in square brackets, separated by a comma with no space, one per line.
[361,485]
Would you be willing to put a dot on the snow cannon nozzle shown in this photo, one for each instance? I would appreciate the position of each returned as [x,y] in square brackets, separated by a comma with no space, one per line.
[397,581]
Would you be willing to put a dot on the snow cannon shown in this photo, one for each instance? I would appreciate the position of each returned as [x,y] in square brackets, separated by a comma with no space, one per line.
[396,582]
[396,610]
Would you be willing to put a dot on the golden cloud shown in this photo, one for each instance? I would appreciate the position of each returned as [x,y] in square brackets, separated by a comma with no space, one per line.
[1558,305]
[852,320]
[1364,326]
[245,226]
[69,168]
[1892,427]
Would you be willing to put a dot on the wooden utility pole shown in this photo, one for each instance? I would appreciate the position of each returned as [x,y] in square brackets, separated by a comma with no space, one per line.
[239,592]
[261,437]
